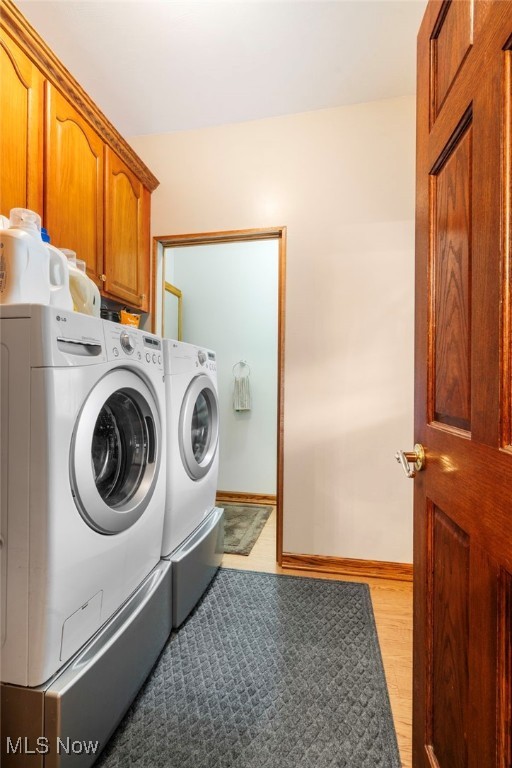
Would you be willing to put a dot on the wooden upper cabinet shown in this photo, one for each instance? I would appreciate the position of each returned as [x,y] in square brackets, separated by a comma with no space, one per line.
[21,135]
[126,264]
[73,196]
[91,189]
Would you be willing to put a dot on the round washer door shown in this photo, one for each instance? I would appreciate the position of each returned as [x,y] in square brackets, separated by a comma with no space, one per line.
[199,427]
[115,453]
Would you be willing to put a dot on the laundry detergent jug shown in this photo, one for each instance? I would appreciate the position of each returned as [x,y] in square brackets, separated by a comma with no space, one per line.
[24,260]
[60,295]
[85,294]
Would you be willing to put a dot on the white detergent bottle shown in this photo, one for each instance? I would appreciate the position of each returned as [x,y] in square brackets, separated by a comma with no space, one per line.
[60,295]
[95,298]
[85,294]
[24,261]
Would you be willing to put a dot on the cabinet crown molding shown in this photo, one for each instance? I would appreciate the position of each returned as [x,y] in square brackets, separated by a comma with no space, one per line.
[18,28]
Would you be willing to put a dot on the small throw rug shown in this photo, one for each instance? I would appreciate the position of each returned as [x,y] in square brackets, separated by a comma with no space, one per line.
[242,526]
[267,672]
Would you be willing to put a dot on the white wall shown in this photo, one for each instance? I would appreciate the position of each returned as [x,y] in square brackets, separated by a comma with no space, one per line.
[230,305]
[342,180]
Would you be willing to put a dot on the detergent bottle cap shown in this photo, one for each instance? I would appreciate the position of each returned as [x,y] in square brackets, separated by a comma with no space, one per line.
[22,218]
[71,255]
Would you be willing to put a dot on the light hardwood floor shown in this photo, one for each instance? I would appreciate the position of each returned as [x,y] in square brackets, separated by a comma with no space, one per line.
[392,606]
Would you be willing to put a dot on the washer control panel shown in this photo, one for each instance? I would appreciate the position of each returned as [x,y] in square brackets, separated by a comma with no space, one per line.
[206,360]
[128,343]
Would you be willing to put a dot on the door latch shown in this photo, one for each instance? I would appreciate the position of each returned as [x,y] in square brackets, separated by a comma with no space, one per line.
[412,461]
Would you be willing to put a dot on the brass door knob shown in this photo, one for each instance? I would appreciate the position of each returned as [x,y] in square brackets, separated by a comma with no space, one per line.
[415,458]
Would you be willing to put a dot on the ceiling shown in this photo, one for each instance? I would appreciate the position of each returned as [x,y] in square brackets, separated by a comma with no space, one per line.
[155,66]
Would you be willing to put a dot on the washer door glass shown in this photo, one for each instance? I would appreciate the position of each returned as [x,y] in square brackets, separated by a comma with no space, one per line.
[121,442]
[199,427]
[116,452]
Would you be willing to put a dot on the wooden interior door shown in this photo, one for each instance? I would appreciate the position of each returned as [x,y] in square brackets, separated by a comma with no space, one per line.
[463,417]
[21,133]
[73,195]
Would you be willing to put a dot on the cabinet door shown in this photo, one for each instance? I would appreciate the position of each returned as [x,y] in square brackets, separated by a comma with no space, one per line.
[73,195]
[126,234]
[21,134]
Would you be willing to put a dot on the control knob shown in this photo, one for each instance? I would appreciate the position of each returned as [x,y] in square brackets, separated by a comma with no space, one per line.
[127,342]
[201,357]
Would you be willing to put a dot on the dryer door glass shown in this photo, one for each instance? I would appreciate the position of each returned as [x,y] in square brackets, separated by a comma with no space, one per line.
[116,452]
[199,427]
[120,448]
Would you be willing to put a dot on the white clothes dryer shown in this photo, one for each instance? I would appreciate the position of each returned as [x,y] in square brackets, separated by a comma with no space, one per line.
[82,411]
[193,536]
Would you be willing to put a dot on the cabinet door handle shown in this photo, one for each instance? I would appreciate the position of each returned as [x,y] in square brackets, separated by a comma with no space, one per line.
[103,278]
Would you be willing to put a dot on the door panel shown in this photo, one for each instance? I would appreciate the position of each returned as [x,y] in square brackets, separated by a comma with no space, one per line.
[21,136]
[74,183]
[463,409]
[126,234]
[505,671]
[450,636]
[451,270]
[482,658]
[507,246]
[451,41]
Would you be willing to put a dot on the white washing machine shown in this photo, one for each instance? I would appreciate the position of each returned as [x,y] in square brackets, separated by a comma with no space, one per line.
[82,494]
[193,538]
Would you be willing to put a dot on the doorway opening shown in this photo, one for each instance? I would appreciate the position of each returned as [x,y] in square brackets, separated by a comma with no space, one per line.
[182,258]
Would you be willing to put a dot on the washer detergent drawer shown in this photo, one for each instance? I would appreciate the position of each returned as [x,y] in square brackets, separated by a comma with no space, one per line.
[195,563]
[67,722]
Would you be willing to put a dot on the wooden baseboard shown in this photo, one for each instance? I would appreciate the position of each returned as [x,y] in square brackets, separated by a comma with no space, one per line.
[378,569]
[236,497]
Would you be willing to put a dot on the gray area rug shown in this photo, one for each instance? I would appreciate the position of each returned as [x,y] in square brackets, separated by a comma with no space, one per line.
[267,672]
[242,526]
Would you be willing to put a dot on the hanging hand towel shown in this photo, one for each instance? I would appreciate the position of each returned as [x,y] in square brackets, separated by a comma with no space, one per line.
[242,394]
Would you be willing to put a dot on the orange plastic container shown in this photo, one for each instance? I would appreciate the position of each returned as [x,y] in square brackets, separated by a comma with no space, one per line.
[129,318]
